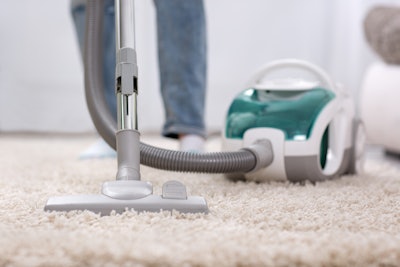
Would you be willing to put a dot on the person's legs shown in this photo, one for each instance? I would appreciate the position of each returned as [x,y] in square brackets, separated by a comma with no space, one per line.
[181,31]
[182,59]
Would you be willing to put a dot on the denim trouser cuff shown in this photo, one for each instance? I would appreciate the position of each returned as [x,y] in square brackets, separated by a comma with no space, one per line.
[174,131]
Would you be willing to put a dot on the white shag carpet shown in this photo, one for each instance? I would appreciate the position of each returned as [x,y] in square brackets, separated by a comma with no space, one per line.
[352,221]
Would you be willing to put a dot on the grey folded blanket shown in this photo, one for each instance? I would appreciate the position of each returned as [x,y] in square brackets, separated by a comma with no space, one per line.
[382,31]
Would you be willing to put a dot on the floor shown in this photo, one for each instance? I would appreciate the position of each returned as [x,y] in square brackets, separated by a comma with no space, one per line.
[351,221]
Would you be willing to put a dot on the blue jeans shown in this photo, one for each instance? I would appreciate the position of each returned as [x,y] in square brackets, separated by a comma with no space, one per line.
[182,55]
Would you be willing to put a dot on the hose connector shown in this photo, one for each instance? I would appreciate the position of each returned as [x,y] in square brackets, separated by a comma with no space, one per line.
[262,151]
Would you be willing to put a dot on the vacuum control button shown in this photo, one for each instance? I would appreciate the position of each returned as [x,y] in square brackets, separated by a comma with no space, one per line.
[174,190]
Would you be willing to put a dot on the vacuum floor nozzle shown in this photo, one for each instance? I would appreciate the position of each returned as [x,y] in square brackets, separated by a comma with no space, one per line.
[171,199]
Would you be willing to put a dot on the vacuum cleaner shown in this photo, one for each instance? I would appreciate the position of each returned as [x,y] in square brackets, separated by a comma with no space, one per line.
[311,124]
[290,129]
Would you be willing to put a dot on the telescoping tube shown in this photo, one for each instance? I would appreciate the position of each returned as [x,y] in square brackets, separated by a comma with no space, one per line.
[242,161]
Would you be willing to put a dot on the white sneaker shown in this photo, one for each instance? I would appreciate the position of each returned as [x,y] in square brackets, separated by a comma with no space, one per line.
[98,150]
[192,143]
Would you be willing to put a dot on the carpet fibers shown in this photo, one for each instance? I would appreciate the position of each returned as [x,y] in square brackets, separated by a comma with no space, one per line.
[351,221]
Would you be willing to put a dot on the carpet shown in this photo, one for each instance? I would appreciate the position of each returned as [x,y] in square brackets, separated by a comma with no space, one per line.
[351,221]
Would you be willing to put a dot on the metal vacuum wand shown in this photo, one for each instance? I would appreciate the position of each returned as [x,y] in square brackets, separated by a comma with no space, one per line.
[126,73]
[128,184]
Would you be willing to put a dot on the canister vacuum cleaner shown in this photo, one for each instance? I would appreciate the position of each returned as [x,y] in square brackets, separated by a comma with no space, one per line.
[277,129]
[311,124]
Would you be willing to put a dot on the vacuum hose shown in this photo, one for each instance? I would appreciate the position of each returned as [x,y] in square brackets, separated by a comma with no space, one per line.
[241,161]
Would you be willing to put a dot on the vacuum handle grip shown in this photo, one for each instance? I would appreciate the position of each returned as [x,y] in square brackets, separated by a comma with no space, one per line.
[291,63]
